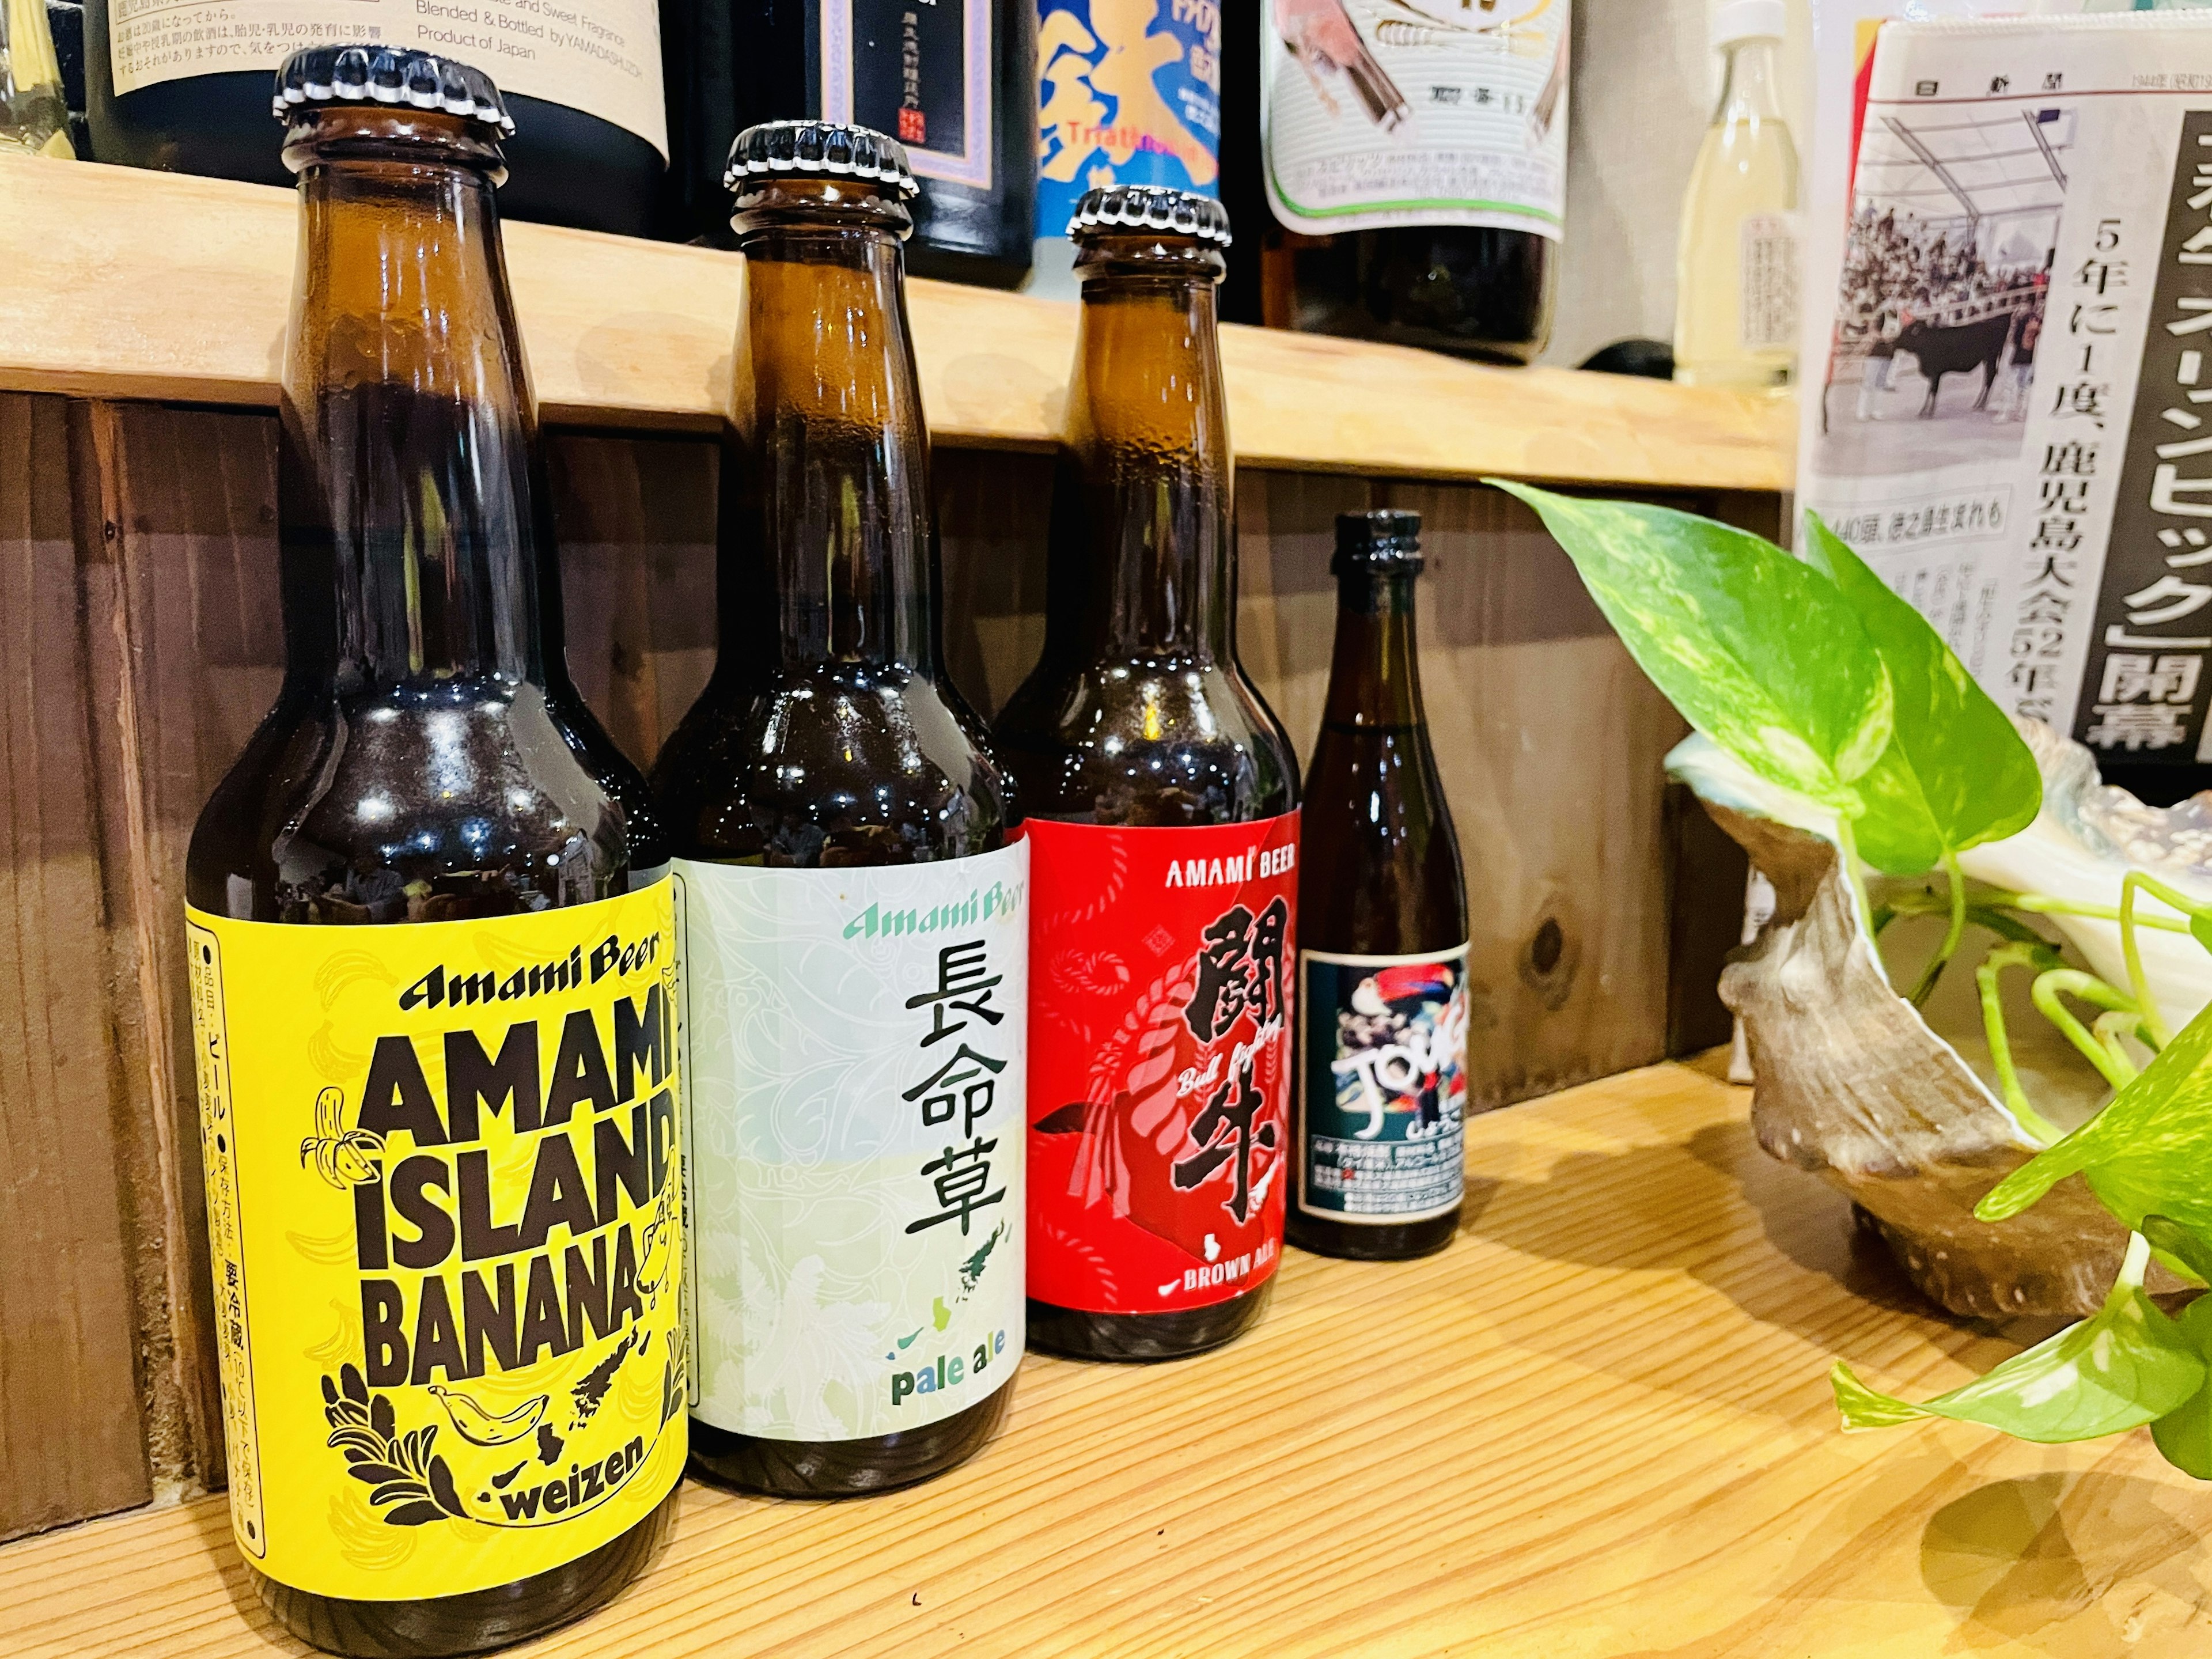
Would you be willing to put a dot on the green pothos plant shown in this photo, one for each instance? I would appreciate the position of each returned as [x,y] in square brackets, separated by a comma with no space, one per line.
[1822,681]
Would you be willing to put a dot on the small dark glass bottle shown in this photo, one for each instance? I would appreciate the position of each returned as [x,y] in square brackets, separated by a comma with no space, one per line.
[590,122]
[954,82]
[853,923]
[1159,793]
[1415,173]
[1383,935]
[429,793]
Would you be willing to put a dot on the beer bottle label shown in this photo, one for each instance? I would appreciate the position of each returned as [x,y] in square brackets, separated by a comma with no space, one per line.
[921,73]
[602,57]
[1414,112]
[856,1043]
[1129,94]
[446,1219]
[1159,1078]
[1381,1085]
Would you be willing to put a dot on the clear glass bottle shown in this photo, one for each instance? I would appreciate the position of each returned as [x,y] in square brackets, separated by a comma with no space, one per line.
[33,115]
[1735,295]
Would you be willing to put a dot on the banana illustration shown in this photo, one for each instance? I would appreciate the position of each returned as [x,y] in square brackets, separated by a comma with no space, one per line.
[479,1427]
[655,1249]
[345,1157]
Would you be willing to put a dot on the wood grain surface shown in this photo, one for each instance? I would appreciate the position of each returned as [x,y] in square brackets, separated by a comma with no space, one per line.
[126,283]
[1598,1424]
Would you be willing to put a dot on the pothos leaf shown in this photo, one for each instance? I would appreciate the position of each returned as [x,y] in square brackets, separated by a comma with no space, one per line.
[2169,1237]
[2148,1153]
[1956,773]
[2127,1366]
[2185,1435]
[1754,648]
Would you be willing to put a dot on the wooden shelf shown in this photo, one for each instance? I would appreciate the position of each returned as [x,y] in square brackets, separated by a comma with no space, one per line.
[127,284]
[1598,1424]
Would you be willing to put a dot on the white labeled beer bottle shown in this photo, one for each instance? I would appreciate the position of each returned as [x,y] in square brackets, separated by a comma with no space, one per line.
[1383,938]
[432,948]
[855,921]
[1160,799]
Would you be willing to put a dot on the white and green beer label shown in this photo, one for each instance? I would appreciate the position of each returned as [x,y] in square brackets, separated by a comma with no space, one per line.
[856,1182]
[1381,1085]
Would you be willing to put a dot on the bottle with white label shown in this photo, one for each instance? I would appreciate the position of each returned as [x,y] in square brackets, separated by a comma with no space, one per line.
[1736,294]
[1414,158]
[855,923]
[187,89]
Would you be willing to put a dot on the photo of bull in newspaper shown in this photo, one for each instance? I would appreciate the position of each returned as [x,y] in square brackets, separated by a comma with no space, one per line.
[2009,421]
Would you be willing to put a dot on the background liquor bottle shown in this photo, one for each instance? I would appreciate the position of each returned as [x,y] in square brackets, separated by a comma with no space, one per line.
[829,774]
[1127,92]
[34,114]
[427,759]
[1383,935]
[1148,769]
[1414,163]
[954,82]
[1735,282]
[188,91]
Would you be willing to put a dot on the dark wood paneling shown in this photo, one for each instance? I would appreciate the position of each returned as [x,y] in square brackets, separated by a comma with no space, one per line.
[72,1442]
[136,669]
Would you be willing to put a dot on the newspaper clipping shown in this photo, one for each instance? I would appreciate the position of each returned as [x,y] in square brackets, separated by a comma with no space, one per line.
[2012,421]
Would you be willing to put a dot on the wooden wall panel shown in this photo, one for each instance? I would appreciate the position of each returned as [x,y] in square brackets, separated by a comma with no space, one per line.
[71,1438]
[130,692]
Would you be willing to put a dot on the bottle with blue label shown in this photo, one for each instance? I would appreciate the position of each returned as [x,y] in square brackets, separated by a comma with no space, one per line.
[1128,93]
[1382,992]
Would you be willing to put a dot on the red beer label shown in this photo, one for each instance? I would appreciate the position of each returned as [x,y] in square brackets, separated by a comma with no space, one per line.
[1162,964]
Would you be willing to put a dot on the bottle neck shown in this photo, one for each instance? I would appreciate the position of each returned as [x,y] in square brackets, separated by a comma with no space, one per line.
[1150,432]
[834,455]
[1374,676]
[1748,89]
[410,434]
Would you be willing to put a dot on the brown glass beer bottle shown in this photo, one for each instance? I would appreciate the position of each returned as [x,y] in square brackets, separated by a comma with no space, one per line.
[1383,938]
[1160,799]
[432,951]
[853,913]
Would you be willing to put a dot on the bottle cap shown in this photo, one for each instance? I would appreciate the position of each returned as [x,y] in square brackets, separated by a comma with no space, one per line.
[1749,19]
[1383,543]
[390,76]
[816,149]
[1153,208]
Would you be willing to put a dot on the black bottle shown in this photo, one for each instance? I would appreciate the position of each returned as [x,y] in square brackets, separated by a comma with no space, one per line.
[967,118]
[589,122]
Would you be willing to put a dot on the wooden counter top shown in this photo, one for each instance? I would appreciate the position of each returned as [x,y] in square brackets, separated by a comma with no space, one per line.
[116,283]
[1598,1424]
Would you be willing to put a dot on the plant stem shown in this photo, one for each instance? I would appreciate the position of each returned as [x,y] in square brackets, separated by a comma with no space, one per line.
[1936,963]
[2153,1026]
[2017,955]
[2044,904]
[2110,1028]
[2119,1071]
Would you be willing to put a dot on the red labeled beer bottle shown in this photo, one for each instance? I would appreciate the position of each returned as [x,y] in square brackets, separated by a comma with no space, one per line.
[855,928]
[1159,798]
[432,949]
[1383,938]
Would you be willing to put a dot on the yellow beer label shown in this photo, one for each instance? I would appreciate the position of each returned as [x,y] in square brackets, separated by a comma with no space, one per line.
[445,1205]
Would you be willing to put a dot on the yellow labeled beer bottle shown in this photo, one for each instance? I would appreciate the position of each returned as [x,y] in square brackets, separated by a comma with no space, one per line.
[1383,940]
[855,928]
[432,959]
[1160,799]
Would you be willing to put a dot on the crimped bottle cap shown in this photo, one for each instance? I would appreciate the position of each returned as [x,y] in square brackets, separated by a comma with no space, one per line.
[1383,543]
[816,149]
[392,78]
[1153,208]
